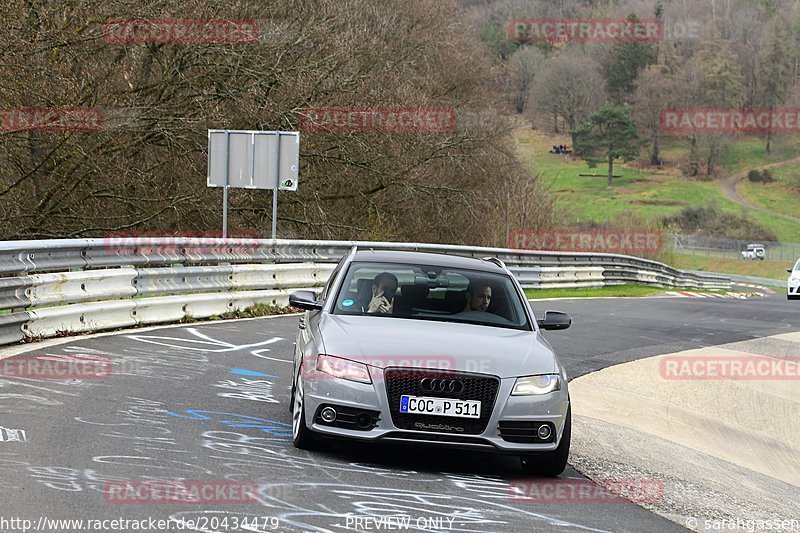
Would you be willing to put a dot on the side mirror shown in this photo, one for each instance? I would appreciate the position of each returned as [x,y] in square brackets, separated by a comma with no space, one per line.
[789,270]
[305,300]
[554,320]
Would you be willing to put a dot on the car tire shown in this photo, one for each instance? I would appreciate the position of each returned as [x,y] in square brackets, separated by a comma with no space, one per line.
[551,464]
[302,437]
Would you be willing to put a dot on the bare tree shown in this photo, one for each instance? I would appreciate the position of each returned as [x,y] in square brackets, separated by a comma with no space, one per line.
[570,87]
[655,92]
[773,71]
[523,68]
[710,79]
[145,168]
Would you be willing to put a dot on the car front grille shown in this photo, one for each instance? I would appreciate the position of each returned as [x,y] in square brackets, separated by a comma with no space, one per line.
[400,381]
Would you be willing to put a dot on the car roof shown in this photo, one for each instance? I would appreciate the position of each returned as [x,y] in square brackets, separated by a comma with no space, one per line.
[426,258]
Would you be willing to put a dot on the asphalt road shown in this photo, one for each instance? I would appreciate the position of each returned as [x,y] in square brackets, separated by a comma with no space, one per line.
[210,402]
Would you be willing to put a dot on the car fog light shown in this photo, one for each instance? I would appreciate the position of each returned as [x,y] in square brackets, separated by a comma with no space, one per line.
[544,432]
[328,414]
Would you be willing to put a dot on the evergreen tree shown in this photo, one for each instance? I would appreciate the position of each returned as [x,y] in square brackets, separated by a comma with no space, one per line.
[610,134]
[625,62]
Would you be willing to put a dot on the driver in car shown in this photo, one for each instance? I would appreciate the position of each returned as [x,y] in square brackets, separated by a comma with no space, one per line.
[383,288]
[479,296]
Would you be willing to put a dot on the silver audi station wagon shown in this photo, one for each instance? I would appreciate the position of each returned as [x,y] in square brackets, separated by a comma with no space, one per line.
[412,347]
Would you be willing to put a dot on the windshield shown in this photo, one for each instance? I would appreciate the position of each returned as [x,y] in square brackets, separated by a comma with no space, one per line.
[797,266]
[424,292]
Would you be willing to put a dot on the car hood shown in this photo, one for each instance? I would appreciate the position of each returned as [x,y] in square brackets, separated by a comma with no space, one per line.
[389,341]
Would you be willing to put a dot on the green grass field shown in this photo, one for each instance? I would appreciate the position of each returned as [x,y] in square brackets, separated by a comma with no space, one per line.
[651,193]
[782,196]
[748,152]
[759,269]
[619,291]
[744,153]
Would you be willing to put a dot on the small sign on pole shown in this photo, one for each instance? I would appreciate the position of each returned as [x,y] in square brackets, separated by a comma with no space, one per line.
[253,160]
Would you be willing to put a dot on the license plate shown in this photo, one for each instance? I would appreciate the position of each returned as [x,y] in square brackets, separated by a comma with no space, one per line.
[440,406]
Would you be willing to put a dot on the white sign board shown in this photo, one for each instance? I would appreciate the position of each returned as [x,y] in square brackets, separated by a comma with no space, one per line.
[253,159]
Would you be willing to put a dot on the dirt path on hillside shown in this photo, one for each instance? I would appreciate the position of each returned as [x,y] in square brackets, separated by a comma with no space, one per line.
[728,186]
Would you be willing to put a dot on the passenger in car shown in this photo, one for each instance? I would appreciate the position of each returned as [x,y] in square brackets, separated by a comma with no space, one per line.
[383,288]
[479,296]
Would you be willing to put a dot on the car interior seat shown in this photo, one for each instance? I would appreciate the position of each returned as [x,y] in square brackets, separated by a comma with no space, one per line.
[364,292]
[499,304]
[411,296]
[455,301]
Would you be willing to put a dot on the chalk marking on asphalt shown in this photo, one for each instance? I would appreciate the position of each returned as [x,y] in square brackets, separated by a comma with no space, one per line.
[204,339]
[30,385]
[259,354]
[11,351]
[468,513]
[12,435]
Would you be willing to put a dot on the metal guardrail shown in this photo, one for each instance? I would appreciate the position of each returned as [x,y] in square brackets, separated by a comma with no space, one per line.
[51,287]
[749,279]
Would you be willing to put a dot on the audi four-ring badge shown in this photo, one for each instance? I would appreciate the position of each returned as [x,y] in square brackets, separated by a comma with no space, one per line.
[430,349]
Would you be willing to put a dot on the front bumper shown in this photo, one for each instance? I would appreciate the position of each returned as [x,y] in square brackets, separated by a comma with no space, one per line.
[323,390]
[793,290]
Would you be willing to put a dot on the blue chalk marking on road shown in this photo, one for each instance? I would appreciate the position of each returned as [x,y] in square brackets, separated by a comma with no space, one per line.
[270,427]
[252,373]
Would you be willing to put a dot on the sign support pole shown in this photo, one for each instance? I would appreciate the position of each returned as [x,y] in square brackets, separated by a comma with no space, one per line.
[225,188]
[275,190]
[225,212]
[274,213]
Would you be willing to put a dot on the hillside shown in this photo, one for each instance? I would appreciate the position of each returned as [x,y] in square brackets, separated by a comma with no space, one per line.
[655,193]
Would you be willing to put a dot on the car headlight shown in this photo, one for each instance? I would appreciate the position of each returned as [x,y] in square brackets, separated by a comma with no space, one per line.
[344,369]
[535,385]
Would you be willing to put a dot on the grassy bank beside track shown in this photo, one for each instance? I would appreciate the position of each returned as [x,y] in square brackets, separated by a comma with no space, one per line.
[758,269]
[781,196]
[616,291]
[655,193]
